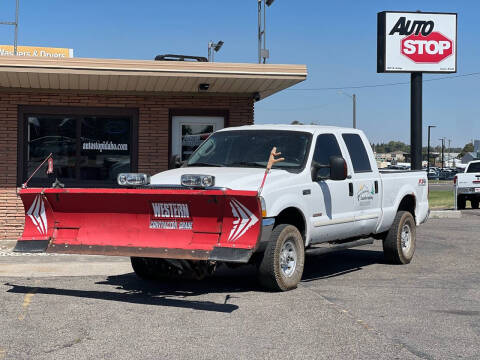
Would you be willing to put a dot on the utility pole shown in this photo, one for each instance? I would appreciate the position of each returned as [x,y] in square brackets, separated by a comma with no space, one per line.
[14,23]
[443,150]
[354,107]
[428,148]
[354,98]
[449,151]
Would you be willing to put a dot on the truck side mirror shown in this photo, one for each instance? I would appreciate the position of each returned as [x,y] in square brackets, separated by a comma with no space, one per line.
[338,168]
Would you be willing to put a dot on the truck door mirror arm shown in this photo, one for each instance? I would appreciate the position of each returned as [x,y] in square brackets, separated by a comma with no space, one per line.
[337,166]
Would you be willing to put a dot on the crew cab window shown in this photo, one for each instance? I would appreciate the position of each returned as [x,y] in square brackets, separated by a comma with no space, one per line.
[358,153]
[326,146]
[473,168]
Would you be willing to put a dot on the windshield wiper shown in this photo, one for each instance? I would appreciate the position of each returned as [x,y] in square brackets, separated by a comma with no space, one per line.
[205,164]
[248,163]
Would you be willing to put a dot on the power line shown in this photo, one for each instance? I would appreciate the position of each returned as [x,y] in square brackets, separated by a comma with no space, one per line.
[383,85]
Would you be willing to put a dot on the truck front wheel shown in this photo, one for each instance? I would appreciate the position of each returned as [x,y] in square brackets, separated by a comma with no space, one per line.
[399,244]
[281,267]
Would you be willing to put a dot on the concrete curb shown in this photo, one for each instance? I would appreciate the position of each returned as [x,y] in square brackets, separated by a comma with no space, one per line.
[7,245]
[445,214]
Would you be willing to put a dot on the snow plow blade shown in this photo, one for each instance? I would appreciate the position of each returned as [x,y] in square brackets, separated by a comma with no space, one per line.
[216,224]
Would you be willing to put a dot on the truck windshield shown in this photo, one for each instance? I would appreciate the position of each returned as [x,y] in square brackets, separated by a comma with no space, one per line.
[474,168]
[251,148]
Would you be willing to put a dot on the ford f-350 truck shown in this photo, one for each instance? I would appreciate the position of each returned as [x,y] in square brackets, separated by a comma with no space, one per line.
[236,201]
[467,186]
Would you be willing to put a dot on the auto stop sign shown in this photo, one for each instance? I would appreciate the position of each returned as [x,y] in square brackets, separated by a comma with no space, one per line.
[416,42]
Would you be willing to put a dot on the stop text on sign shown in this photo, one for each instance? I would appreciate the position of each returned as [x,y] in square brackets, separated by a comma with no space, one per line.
[426,49]
[416,42]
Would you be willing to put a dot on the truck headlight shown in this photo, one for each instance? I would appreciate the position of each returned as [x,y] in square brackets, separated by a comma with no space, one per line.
[198,180]
[133,179]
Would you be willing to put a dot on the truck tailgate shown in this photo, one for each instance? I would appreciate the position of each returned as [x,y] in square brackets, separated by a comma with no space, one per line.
[163,223]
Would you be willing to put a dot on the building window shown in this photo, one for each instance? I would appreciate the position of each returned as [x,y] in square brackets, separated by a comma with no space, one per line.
[90,147]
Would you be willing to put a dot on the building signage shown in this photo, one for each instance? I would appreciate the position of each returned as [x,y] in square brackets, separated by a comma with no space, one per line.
[35,51]
[417,42]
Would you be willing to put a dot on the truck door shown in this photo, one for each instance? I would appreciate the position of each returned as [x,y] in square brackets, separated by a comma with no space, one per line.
[332,212]
[366,185]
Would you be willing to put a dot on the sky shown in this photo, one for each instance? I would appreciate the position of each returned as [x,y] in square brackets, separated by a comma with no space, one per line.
[335,39]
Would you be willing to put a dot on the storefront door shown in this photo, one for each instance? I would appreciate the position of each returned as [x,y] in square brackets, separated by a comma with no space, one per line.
[188,132]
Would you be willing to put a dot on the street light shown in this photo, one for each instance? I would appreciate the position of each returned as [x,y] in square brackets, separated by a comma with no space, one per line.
[428,149]
[215,46]
[354,103]
[263,53]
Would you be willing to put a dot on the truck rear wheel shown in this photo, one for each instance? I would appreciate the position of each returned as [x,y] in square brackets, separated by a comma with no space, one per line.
[475,203]
[281,267]
[461,202]
[399,245]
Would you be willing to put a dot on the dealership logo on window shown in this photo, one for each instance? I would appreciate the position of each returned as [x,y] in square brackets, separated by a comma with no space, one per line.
[105,145]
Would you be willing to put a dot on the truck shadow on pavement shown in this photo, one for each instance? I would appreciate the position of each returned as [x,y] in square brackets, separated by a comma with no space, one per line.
[339,263]
[129,288]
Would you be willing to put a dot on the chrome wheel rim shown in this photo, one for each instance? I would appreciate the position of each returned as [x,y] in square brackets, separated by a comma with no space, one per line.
[406,238]
[288,258]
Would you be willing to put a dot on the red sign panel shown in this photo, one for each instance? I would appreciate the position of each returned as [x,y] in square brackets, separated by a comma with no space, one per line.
[427,49]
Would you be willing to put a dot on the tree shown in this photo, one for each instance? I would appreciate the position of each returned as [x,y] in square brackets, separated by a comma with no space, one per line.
[466,149]
[296,122]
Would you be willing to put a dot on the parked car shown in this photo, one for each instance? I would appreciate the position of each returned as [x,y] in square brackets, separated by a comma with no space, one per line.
[467,185]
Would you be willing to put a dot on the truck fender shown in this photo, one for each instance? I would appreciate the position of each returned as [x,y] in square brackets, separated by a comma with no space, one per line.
[390,212]
[290,202]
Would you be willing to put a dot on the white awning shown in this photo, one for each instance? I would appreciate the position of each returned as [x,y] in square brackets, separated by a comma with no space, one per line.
[147,76]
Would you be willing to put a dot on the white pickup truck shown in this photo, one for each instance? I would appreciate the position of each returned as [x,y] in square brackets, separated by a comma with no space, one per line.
[327,190]
[224,205]
[467,185]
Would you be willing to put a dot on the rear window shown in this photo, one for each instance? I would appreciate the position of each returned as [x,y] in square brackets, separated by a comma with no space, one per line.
[358,153]
[474,168]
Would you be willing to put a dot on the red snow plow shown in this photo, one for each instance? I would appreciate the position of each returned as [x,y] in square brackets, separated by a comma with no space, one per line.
[193,224]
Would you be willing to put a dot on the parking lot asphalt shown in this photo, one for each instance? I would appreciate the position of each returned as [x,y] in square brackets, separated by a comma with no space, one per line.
[350,305]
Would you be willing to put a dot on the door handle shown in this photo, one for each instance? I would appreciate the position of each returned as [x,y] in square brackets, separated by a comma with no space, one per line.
[350,189]
[376,186]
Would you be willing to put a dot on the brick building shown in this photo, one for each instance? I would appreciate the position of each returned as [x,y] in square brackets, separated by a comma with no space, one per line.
[101,117]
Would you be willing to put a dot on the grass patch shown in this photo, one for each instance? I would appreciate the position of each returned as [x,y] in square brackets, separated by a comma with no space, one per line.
[441,199]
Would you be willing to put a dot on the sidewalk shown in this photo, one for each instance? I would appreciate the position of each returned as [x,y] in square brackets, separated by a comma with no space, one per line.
[47,265]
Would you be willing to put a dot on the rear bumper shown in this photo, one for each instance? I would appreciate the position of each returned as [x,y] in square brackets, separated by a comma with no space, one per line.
[468,190]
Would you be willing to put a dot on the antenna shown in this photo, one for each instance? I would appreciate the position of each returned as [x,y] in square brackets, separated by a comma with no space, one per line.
[14,23]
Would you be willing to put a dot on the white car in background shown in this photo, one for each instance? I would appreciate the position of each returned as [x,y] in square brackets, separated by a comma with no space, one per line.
[467,186]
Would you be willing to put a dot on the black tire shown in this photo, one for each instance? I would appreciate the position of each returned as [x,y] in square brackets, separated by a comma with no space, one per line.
[461,202]
[394,252]
[143,268]
[169,269]
[270,273]
[474,203]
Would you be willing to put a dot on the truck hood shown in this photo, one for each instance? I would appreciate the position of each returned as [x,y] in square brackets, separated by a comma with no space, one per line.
[228,177]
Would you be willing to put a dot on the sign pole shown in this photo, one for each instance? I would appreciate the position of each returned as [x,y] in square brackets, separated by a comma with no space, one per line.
[416,120]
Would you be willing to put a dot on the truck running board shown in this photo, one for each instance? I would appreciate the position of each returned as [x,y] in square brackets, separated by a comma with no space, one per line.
[348,245]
